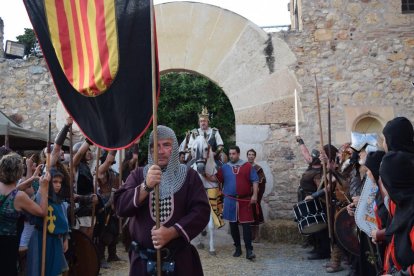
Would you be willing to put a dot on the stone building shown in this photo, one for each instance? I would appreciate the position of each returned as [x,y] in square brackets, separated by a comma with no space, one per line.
[361,53]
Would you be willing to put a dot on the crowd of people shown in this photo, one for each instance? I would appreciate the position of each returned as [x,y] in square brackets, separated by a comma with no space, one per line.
[37,196]
[53,196]
[49,193]
[365,189]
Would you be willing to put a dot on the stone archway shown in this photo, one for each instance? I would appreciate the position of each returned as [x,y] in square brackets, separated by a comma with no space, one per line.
[252,67]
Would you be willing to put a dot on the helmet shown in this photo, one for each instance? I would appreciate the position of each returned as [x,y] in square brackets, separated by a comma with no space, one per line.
[76,147]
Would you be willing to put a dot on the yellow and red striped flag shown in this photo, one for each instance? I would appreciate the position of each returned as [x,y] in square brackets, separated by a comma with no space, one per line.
[99,55]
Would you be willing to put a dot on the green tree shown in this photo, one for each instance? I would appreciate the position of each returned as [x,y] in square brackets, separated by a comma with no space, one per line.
[182,97]
[28,39]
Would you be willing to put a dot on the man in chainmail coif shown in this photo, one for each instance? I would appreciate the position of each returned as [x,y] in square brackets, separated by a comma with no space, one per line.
[184,211]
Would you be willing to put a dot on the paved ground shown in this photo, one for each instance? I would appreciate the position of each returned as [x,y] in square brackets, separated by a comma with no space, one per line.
[272,259]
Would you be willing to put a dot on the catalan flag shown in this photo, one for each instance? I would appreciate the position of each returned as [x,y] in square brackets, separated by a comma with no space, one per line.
[99,53]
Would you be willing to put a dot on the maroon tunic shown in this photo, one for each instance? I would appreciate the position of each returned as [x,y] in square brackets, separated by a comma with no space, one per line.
[190,215]
[258,212]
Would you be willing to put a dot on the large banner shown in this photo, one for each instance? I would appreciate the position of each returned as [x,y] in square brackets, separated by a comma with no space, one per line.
[99,55]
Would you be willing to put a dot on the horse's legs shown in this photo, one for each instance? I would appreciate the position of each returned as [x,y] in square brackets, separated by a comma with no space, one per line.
[211,234]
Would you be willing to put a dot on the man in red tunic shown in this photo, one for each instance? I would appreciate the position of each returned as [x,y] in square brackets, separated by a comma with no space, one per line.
[257,212]
[238,178]
[184,211]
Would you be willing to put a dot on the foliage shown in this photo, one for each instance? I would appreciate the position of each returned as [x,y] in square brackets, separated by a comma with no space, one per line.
[28,39]
[181,99]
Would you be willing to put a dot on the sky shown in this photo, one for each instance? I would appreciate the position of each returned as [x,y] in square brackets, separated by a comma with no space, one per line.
[260,12]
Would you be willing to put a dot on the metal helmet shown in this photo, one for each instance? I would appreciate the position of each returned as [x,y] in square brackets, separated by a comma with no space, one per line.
[76,147]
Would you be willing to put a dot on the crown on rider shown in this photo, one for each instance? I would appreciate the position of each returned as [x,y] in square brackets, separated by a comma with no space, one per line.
[204,113]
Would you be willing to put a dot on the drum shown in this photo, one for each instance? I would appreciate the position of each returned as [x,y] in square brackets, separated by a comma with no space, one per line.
[312,223]
[82,255]
[310,216]
[346,232]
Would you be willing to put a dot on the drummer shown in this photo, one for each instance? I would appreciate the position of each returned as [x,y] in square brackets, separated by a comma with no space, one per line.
[308,184]
[334,265]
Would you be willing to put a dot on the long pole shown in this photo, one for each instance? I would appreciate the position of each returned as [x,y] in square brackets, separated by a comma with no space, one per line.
[327,197]
[43,270]
[72,199]
[95,186]
[330,184]
[155,127]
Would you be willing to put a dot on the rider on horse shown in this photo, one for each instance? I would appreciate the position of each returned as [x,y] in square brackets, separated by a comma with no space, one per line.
[211,135]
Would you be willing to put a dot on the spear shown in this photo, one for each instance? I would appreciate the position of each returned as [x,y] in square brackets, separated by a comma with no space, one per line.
[43,270]
[95,185]
[330,184]
[72,200]
[327,196]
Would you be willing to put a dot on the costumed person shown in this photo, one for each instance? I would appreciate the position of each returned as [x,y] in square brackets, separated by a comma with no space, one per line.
[83,187]
[129,164]
[257,212]
[308,184]
[373,162]
[397,177]
[212,135]
[130,161]
[30,185]
[184,211]
[239,179]
[107,223]
[367,263]
[338,196]
[12,203]
[57,232]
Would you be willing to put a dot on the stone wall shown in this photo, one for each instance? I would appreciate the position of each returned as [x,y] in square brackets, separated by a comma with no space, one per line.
[27,92]
[362,54]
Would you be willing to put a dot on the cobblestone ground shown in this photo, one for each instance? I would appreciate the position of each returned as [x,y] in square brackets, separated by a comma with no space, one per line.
[272,259]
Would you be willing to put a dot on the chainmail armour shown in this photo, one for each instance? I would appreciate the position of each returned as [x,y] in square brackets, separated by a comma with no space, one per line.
[174,175]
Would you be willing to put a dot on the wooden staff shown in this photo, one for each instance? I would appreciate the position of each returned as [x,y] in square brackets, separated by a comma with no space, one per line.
[95,186]
[71,172]
[43,270]
[154,127]
[330,184]
[327,197]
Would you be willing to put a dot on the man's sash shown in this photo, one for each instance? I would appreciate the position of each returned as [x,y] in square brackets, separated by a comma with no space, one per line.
[99,55]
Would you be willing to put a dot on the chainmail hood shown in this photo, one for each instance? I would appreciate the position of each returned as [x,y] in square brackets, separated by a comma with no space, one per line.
[173,176]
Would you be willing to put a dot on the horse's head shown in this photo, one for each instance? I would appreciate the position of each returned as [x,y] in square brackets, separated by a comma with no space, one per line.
[200,152]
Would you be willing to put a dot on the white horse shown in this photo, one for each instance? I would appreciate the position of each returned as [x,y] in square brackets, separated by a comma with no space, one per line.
[203,163]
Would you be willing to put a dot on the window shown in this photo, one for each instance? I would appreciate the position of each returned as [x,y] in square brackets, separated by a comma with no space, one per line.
[368,124]
[407,6]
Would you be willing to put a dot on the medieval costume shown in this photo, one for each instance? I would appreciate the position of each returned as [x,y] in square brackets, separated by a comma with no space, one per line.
[238,178]
[107,222]
[397,175]
[369,260]
[212,135]
[57,232]
[258,213]
[183,205]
